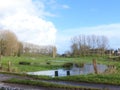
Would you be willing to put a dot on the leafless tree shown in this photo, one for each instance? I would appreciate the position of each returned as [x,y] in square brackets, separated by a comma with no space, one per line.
[88,44]
[33,49]
[8,43]
[20,49]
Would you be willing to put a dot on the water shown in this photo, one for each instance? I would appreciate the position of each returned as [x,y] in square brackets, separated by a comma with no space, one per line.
[86,69]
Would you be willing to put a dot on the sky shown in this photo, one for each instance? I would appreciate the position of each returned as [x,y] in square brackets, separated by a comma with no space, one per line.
[55,22]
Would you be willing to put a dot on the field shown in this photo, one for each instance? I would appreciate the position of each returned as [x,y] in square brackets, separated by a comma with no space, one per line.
[47,63]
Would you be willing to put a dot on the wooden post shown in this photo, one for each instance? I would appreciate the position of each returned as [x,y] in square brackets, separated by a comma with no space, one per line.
[0,62]
[68,73]
[9,66]
[56,73]
[95,66]
[54,51]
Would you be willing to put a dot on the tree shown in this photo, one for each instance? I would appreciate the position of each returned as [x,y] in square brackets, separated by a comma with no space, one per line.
[20,49]
[87,45]
[8,43]
[33,49]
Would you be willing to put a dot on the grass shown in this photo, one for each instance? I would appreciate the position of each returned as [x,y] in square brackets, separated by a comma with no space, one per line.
[46,84]
[93,78]
[40,63]
[113,79]
[36,63]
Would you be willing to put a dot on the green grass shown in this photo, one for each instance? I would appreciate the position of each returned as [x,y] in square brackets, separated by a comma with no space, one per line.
[46,84]
[113,79]
[37,64]
[93,78]
[40,63]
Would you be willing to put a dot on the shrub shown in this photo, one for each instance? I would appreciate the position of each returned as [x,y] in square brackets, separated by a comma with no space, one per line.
[68,65]
[81,65]
[48,63]
[24,63]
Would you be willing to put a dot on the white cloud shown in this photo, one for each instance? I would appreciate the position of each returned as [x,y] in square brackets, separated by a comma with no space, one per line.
[65,6]
[54,5]
[27,20]
[112,31]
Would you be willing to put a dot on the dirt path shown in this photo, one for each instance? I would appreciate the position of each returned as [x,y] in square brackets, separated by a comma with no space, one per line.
[8,86]
[27,87]
[89,85]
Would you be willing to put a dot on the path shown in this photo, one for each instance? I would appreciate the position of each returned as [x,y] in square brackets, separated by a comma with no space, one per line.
[24,87]
[9,86]
[89,85]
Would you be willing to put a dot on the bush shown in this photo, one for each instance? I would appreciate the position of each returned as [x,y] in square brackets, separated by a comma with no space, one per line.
[115,58]
[24,63]
[68,65]
[48,63]
[81,65]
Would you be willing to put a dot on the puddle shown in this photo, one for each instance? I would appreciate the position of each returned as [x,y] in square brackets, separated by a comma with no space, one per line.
[86,69]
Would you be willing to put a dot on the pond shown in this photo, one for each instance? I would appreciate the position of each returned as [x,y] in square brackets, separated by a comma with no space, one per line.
[86,69]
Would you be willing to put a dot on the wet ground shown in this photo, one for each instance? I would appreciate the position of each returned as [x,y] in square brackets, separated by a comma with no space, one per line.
[89,85]
[28,87]
[7,86]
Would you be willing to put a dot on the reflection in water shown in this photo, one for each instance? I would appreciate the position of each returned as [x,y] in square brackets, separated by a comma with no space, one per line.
[86,69]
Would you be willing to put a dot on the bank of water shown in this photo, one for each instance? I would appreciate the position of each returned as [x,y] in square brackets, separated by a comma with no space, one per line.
[86,69]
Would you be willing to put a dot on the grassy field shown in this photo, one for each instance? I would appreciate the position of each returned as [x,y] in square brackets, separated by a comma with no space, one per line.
[48,63]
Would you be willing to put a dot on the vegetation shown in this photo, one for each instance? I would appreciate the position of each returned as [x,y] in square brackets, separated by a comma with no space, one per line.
[19,57]
[8,43]
[11,46]
[89,45]
[41,63]
[68,65]
[46,84]
[93,78]
[106,77]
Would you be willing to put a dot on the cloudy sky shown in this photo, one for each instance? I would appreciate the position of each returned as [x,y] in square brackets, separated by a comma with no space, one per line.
[55,22]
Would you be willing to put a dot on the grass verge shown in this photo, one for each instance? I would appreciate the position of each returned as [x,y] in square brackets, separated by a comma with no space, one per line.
[46,84]
[93,78]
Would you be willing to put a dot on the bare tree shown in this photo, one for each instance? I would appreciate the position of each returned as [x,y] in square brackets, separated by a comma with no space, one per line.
[8,43]
[20,49]
[89,45]
[75,46]
[33,49]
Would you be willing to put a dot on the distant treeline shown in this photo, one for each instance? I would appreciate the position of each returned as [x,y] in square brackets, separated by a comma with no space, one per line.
[11,46]
[85,45]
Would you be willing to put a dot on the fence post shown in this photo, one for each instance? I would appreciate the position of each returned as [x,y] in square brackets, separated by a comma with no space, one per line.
[9,66]
[56,73]
[95,66]
[68,73]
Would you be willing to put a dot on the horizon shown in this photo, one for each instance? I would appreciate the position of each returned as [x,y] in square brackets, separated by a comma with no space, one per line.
[54,22]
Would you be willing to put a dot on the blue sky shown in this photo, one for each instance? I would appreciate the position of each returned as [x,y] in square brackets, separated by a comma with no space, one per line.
[100,17]
[82,13]
[55,22]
